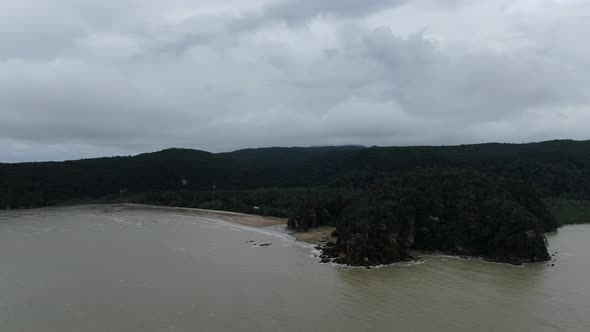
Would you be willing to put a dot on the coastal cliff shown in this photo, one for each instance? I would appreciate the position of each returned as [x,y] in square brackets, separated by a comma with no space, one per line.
[457,213]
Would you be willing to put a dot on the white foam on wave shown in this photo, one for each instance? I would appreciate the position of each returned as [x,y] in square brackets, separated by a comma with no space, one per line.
[374,267]
[409,264]
[315,253]
[249,228]
[441,256]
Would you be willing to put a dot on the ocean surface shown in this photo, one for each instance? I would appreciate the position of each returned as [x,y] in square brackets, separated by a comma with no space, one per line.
[99,268]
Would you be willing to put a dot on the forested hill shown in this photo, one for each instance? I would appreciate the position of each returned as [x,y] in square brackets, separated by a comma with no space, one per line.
[553,168]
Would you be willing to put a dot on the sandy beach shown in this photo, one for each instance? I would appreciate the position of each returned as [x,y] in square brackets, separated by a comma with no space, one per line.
[233,217]
[315,236]
[318,235]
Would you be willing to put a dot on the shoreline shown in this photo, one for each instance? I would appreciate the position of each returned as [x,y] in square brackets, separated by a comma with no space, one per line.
[513,262]
[251,220]
[316,236]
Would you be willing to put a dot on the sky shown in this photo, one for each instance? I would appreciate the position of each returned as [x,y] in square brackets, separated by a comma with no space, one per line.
[88,78]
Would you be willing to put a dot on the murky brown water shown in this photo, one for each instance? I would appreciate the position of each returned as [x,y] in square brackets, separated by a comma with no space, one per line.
[81,269]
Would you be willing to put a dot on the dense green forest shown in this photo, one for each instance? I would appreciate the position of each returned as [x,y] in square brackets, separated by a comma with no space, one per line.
[492,200]
[457,212]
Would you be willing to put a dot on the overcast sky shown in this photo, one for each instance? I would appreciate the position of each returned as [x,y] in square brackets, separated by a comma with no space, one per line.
[84,78]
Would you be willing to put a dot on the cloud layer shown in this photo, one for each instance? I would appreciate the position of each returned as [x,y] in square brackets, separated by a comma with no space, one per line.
[129,76]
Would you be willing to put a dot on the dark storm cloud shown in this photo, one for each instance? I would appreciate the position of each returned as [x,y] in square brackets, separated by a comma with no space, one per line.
[102,78]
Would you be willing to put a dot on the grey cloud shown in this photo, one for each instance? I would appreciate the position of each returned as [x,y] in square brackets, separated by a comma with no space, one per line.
[201,76]
[296,11]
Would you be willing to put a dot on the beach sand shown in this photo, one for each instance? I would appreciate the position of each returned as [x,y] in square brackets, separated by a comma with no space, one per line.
[315,236]
[233,217]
